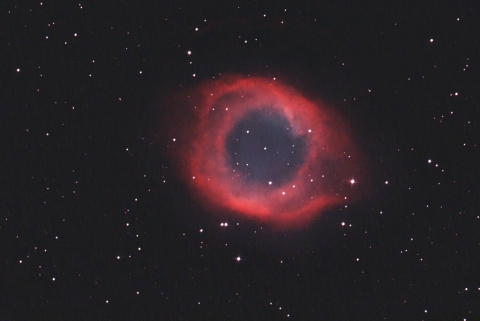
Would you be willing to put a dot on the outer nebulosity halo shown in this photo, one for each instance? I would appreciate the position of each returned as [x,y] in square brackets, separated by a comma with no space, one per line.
[206,116]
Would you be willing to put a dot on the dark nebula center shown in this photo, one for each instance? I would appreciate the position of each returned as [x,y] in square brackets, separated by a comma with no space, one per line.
[263,148]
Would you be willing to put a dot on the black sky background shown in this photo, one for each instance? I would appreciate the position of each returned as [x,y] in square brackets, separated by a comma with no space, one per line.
[95,224]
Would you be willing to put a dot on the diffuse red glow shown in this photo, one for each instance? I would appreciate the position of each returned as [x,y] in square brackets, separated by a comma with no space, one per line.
[209,114]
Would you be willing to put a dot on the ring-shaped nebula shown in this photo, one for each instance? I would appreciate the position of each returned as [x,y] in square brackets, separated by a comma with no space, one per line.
[255,147]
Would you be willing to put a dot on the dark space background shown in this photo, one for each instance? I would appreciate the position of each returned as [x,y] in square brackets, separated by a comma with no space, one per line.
[94,224]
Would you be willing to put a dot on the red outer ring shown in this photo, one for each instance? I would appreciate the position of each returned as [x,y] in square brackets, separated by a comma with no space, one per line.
[209,113]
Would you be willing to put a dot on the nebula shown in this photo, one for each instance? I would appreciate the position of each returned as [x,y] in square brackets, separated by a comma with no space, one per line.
[255,147]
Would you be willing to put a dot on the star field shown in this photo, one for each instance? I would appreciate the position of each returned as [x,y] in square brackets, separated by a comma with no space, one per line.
[96,224]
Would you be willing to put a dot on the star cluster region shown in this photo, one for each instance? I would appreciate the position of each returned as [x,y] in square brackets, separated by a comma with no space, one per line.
[97,224]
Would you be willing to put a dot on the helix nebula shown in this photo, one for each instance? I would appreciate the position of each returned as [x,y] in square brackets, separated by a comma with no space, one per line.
[252,146]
